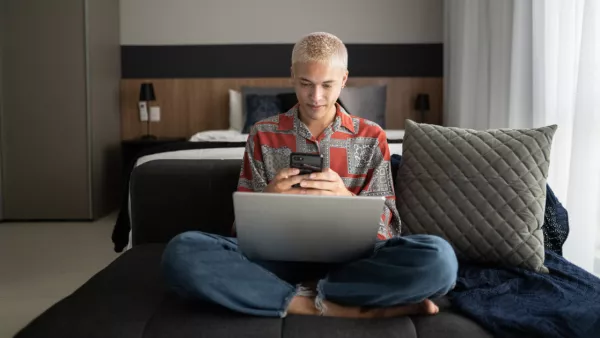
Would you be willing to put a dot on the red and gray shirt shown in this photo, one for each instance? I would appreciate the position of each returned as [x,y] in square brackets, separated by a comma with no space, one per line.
[353,147]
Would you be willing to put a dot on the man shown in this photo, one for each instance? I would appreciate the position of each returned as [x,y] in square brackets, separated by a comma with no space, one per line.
[397,279]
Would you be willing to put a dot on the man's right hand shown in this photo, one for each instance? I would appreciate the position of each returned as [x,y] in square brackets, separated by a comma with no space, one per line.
[284,180]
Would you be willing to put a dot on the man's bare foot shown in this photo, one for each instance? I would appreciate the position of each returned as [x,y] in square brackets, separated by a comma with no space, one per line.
[429,307]
[426,307]
[301,305]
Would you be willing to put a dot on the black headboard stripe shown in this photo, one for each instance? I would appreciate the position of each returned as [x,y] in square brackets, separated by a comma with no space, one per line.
[273,60]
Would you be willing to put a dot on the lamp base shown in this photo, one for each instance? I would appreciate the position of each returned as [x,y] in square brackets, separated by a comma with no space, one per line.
[423,118]
[148,137]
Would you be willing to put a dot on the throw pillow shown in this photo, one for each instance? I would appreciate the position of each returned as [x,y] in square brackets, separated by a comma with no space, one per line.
[250,90]
[368,102]
[259,108]
[483,191]
[396,159]
[236,117]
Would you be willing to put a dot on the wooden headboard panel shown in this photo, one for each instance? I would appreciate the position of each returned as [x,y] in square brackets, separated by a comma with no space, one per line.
[192,105]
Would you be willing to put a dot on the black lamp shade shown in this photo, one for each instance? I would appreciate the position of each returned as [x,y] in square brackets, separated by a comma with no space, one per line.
[147,92]
[422,102]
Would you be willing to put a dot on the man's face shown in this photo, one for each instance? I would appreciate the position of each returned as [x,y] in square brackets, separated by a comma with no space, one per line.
[317,86]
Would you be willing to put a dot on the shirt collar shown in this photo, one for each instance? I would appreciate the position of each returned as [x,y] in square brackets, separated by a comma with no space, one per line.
[290,119]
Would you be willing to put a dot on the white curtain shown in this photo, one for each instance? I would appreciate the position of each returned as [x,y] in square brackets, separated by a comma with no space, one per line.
[530,63]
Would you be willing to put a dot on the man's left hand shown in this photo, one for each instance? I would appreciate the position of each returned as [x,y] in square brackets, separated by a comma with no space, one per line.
[327,182]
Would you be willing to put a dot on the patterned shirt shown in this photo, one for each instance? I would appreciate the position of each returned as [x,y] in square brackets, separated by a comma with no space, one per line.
[353,147]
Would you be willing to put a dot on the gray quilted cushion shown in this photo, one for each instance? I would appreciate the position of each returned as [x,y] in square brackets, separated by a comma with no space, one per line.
[484,191]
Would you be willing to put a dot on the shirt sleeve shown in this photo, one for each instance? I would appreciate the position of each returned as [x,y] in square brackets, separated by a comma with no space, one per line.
[252,176]
[379,182]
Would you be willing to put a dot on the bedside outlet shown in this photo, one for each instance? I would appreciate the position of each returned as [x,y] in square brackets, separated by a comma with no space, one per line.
[155,114]
[143,107]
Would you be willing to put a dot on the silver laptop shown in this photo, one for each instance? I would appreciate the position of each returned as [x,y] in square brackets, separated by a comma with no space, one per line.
[285,227]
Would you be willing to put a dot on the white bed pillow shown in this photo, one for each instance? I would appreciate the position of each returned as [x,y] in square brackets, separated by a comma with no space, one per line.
[236,116]
[394,134]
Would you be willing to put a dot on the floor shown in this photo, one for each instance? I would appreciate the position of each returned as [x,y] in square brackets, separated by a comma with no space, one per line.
[40,263]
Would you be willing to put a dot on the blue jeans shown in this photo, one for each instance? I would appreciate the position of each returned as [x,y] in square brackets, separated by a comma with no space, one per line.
[400,271]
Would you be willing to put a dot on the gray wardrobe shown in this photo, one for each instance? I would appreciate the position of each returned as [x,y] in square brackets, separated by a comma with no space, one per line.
[59,109]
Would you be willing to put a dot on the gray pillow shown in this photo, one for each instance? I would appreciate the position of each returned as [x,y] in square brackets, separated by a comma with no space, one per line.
[368,102]
[483,191]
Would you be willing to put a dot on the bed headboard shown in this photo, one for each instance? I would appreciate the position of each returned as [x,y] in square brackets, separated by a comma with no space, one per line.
[190,105]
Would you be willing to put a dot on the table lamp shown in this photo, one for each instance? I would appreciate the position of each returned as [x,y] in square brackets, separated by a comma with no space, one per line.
[147,95]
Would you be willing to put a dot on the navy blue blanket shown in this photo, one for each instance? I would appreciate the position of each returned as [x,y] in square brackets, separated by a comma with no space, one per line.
[512,302]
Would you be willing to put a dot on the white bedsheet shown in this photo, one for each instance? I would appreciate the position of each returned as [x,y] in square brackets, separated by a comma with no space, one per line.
[236,136]
[195,154]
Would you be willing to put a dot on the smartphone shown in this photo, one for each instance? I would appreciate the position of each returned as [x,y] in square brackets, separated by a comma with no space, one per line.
[307,163]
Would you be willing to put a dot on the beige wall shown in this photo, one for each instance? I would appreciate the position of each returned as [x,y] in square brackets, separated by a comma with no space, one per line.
[160,22]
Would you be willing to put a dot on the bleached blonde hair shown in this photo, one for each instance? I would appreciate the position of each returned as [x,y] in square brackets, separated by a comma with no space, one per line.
[321,47]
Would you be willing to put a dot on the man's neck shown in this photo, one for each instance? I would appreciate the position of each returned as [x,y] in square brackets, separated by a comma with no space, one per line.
[316,127]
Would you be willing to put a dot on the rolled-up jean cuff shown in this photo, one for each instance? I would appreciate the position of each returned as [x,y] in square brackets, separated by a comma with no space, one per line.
[300,290]
[320,298]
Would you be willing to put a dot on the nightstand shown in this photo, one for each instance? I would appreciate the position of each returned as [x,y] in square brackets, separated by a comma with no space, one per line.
[131,150]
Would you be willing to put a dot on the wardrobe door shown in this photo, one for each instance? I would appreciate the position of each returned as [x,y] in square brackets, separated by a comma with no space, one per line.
[45,125]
